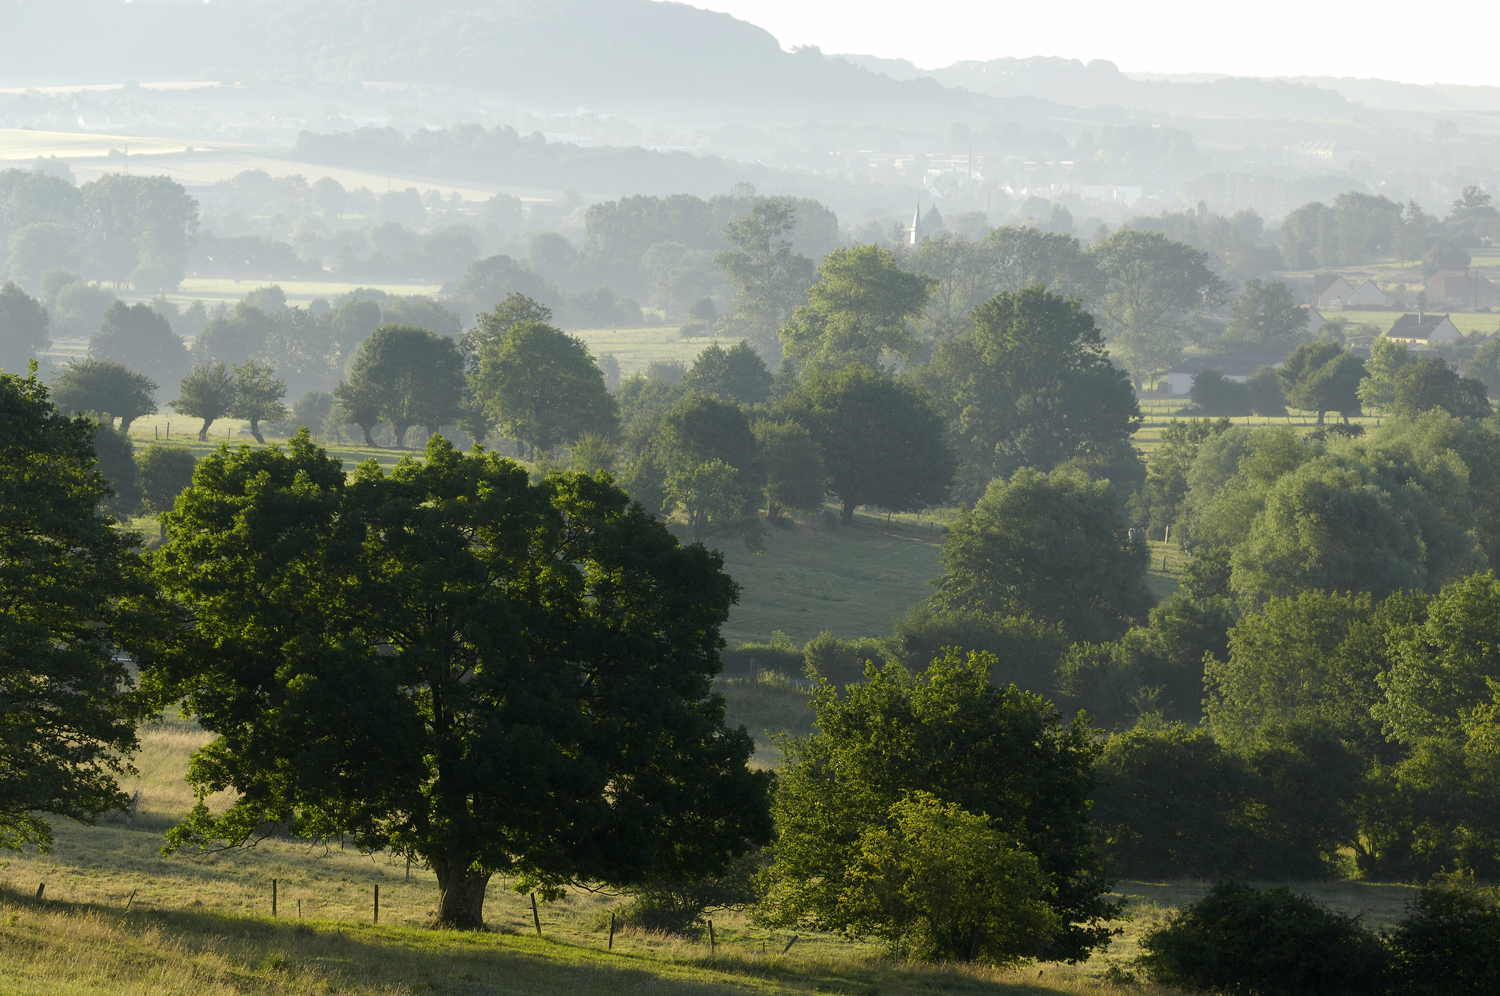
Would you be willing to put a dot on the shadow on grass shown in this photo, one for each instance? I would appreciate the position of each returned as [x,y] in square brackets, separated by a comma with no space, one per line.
[285,956]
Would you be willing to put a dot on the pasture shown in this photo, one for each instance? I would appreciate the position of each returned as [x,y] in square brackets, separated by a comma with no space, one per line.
[115,914]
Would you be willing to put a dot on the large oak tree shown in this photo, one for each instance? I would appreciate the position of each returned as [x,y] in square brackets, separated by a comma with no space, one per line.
[456,664]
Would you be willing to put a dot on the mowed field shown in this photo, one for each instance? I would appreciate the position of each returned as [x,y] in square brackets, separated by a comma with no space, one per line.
[116,915]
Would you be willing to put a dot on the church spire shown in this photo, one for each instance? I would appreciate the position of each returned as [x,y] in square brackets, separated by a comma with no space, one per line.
[916,225]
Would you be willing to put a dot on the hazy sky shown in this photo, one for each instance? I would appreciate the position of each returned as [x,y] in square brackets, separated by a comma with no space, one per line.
[1267,38]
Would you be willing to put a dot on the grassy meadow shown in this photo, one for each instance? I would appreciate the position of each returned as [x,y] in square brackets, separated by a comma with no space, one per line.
[117,915]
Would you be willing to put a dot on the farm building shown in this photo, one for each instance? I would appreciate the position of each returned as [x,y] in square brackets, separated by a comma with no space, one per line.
[1459,290]
[1236,368]
[1366,295]
[1423,330]
[1331,290]
[1315,318]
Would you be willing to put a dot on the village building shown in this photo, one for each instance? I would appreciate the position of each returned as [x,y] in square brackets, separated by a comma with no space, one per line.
[1367,295]
[1424,330]
[1331,290]
[1456,290]
[1315,319]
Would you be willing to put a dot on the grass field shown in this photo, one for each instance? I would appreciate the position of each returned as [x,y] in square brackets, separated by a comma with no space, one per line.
[298,292]
[116,915]
[635,348]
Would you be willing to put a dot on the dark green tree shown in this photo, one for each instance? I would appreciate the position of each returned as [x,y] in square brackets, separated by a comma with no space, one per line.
[1030,385]
[23,328]
[1426,383]
[491,327]
[207,393]
[862,308]
[1321,377]
[795,476]
[1265,320]
[882,443]
[106,387]
[1265,393]
[163,473]
[1055,547]
[358,404]
[68,581]
[993,752]
[1160,503]
[414,375]
[1269,943]
[541,387]
[137,336]
[1217,395]
[734,374]
[1448,944]
[454,663]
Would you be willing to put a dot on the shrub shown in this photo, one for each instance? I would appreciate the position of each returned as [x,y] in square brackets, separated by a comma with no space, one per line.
[940,882]
[1247,942]
[163,473]
[1449,944]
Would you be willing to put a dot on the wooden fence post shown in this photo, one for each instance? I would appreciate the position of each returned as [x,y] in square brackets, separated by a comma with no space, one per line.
[536,917]
[273,897]
[41,888]
[377,902]
[611,931]
[712,943]
[790,943]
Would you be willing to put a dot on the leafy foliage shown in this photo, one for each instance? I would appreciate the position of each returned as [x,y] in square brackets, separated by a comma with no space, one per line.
[1028,386]
[1055,547]
[882,443]
[207,393]
[1240,940]
[72,590]
[542,387]
[106,387]
[862,308]
[1001,757]
[454,663]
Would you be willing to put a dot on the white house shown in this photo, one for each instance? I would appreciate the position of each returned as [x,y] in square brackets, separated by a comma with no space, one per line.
[1331,290]
[1368,294]
[1424,330]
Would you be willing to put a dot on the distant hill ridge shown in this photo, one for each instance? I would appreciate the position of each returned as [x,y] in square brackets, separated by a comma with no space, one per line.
[614,56]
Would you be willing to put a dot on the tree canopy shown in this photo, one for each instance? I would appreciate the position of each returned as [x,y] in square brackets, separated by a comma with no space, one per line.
[1029,385]
[905,772]
[734,374]
[142,339]
[413,376]
[882,442]
[106,387]
[23,328]
[1054,547]
[208,392]
[542,387]
[70,586]
[862,307]
[454,663]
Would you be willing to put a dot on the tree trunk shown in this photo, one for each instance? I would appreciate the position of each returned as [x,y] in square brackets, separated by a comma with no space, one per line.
[1320,418]
[460,896]
[773,511]
[400,433]
[368,440]
[846,514]
[203,432]
[255,431]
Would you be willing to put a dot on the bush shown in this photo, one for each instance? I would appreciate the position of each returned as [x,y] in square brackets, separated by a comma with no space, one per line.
[1449,944]
[164,472]
[1026,651]
[843,661]
[938,882]
[1247,942]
